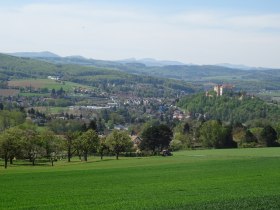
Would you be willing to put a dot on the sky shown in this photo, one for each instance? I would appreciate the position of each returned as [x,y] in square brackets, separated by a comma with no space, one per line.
[191,31]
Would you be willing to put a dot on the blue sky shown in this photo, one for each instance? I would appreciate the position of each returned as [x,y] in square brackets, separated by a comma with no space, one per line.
[192,31]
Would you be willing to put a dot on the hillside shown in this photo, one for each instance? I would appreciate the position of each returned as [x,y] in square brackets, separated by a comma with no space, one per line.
[44,54]
[230,108]
[23,68]
[249,79]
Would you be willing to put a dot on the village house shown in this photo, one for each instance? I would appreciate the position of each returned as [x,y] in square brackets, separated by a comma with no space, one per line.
[178,115]
[136,140]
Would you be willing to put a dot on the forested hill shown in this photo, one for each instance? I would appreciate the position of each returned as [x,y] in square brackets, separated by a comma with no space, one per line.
[237,108]
[23,68]
[251,79]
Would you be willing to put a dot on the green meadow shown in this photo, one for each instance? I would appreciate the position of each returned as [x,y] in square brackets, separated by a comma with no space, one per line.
[46,83]
[200,179]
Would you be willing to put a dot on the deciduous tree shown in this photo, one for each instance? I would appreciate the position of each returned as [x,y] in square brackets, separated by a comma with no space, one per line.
[156,138]
[10,144]
[119,141]
[88,142]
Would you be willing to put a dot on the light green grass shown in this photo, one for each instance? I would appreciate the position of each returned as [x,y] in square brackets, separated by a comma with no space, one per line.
[50,84]
[201,179]
[34,94]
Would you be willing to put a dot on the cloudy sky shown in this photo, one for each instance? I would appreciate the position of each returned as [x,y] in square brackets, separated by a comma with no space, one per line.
[191,31]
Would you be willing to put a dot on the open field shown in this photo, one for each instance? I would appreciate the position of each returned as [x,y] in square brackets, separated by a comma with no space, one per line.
[8,92]
[46,83]
[53,109]
[201,179]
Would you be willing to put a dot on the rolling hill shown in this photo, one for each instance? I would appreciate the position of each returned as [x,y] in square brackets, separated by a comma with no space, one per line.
[102,77]
[248,79]
[252,80]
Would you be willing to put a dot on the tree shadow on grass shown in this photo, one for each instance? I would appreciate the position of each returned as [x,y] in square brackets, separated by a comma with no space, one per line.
[28,163]
[104,160]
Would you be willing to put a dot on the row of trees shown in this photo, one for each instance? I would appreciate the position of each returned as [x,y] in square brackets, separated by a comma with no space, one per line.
[215,134]
[27,141]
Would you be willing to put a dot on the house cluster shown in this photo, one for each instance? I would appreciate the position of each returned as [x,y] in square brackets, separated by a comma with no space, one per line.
[83,90]
[54,78]
[136,101]
[179,115]
[88,107]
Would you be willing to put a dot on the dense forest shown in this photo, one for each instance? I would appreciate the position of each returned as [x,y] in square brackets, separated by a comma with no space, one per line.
[230,108]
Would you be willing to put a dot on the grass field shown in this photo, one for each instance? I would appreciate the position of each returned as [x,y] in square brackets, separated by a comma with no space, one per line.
[46,83]
[202,179]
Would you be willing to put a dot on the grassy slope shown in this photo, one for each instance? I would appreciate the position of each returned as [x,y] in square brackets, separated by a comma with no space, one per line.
[47,83]
[221,179]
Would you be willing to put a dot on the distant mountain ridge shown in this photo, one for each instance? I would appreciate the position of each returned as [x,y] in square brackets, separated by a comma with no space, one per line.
[149,62]
[43,54]
[145,61]
[250,80]
[240,66]
[152,62]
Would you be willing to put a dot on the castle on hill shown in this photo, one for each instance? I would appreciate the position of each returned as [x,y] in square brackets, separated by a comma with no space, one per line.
[221,89]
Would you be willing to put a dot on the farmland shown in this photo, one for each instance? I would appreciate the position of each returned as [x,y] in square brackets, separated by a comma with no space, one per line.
[8,92]
[45,83]
[200,179]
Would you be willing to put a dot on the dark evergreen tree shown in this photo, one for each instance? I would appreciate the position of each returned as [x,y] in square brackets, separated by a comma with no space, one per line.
[156,138]
[92,125]
[269,136]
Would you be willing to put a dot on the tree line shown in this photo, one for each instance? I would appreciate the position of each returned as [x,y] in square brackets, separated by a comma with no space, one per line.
[22,139]
[69,138]
[215,134]
[29,142]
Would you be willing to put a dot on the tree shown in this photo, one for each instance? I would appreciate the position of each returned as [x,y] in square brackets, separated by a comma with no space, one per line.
[53,92]
[92,125]
[105,115]
[60,126]
[10,144]
[119,141]
[88,142]
[269,136]
[100,125]
[186,128]
[11,118]
[31,142]
[277,129]
[70,138]
[181,141]
[51,144]
[1,106]
[213,134]
[156,138]
[243,137]
[102,147]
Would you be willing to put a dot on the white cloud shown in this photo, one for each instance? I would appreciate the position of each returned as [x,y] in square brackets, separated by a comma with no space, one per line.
[114,33]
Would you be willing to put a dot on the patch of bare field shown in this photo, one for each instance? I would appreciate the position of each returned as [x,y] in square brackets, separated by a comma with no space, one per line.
[25,83]
[8,92]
